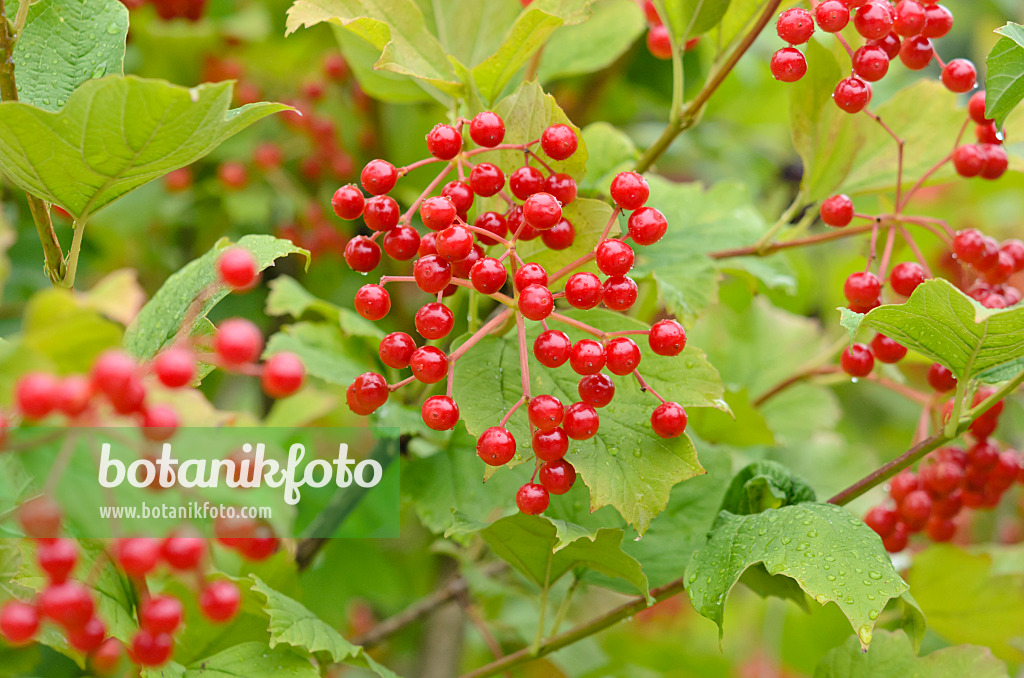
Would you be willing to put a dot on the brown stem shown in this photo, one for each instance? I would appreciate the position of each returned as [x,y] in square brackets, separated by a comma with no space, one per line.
[756,251]
[53,256]
[689,116]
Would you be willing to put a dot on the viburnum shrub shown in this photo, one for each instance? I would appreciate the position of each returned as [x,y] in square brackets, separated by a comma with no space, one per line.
[452,254]
[575,314]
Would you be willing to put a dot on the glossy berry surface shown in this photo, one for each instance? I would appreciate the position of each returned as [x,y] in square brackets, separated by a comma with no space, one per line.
[668,420]
[559,142]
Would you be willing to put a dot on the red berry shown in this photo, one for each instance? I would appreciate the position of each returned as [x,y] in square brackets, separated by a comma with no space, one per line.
[36,395]
[580,421]
[629,190]
[159,422]
[283,375]
[372,302]
[493,223]
[959,75]
[178,180]
[587,357]
[940,378]
[175,367]
[905,278]
[795,26]
[113,372]
[536,302]
[870,63]
[557,476]
[552,348]
[381,213]
[440,413]
[488,275]
[149,649]
[917,52]
[976,108]
[887,350]
[596,390]
[69,604]
[659,42]
[496,446]
[940,529]
[788,64]
[183,552]
[106,657]
[874,20]
[941,478]
[902,484]
[362,254]
[233,175]
[238,341]
[89,636]
[910,18]
[667,337]
[647,225]
[526,181]
[237,268]
[897,540]
[40,518]
[550,444]
[1015,250]
[890,44]
[938,21]
[622,355]
[444,142]
[138,555]
[460,194]
[74,395]
[432,273]
[487,129]
[969,160]
[862,288]
[620,293]
[882,520]
[832,16]
[584,290]
[837,211]
[486,179]
[562,186]
[545,412]
[857,360]
[530,274]
[429,364]
[983,455]
[614,257]
[219,601]
[915,508]
[532,499]
[454,243]
[19,622]
[434,321]
[396,349]
[668,420]
[438,212]
[852,94]
[161,614]
[378,177]
[559,141]
[542,211]
[969,246]
[57,559]
[996,162]
[366,393]
[560,236]
[402,242]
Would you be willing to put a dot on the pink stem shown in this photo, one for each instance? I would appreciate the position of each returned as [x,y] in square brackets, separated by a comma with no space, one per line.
[644,386]
[578,325]
[486,329]
[399,384]
[402,171]
[917,252]
[508,415]
[407,217]
[883,266]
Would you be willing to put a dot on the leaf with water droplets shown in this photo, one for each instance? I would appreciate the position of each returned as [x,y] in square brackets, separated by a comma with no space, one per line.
[892,655]
[64,43]
[763,485]
[942,323]
[822,547]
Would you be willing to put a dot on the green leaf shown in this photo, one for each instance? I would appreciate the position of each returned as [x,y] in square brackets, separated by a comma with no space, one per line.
[288,297]
[942,323]
[252,660]
[527,112]
[611,151]
[892,655]
[614,25]
[114,135]
[701,221]
[850,320]
[66,42]
[826,138]
[968,600]
[531,29]
[743,425]
[529,544]
[928,138]
[1004,80]
[160,319]
[832,556]
[59,326]
[625,465]
[292,624]
[765,485]
[323,349]
[395,28]
[688,18]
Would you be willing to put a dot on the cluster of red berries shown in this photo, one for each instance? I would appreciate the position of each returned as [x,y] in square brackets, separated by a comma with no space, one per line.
[191,10]
[70,604]
[119,382]
[904,29]
[986,158]
[948,480]
[659,38]
[324,159]
[451,254]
